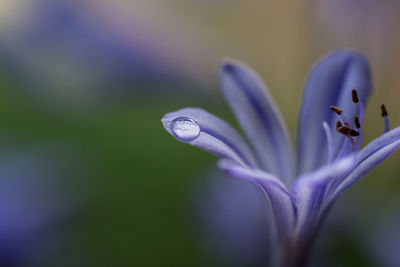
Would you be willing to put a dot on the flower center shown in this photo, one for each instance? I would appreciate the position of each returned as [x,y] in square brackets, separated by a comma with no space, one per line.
[343,126]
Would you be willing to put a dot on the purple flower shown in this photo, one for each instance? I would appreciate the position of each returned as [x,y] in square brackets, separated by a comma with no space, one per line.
[384,243]
[329,159]
[70,53]
[32,213]
[230,216]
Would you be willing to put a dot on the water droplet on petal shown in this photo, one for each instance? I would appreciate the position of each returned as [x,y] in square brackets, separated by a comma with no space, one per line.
[185,129]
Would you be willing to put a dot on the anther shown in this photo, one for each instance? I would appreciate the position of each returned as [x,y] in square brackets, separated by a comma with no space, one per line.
[347,131]
[354,95]
[343,130]
[336,109]
[353,132]
[338,124]
[347,124]
[385,117]
[384,111]
[357,122]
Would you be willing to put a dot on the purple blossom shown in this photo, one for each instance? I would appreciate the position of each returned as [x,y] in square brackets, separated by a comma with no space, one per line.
[31,212]
[329,158]
[81,54]
[384,243]
[230,216]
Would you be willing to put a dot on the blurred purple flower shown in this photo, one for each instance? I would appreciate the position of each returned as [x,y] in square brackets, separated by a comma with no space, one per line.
[30,209]
[230,215]
[385,241]
[367,24]
[327,163]
[349,17]
[69,51]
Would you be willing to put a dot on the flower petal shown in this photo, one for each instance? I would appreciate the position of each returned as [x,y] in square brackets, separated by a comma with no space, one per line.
[207,132]
[370,157]
[275,191]
[330,83]
[259,117]
[309,192]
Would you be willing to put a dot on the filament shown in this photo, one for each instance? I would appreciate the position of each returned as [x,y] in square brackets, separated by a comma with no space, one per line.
[329,141]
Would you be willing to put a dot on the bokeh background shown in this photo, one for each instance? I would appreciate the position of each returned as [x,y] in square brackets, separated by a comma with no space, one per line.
[88,175]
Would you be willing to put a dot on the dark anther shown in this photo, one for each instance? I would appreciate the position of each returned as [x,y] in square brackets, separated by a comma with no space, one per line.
[384,111]
[347,124]
[338,124]
[343,130]
[347,131]
[353,132]
[354,95]
[336,109]
[357,122]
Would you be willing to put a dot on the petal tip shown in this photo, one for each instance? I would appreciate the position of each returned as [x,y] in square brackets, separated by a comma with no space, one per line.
[183,128]
[166,122]
[225,164]
[230,64]
[347,53]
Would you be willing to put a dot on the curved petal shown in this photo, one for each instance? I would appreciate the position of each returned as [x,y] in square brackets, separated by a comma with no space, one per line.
[275,191]
[370,157]
[207,132]
[378,143]
[259,117]
[330,83]
[309,193]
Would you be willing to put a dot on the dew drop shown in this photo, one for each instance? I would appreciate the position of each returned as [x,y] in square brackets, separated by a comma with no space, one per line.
[185,129]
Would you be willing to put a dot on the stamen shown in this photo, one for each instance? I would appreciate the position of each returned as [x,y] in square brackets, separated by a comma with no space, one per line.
[343,130]
[350,133]
[354,95]
[336,109]
[353,132]
[384,111]
[385,117]
[357,122]
[348,144]
[347,131]
[329,141]
[345,149]
[339,111]
[361,112]
[359,139]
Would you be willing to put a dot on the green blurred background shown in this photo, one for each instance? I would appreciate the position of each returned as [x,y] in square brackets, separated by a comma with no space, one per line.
[89,80]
